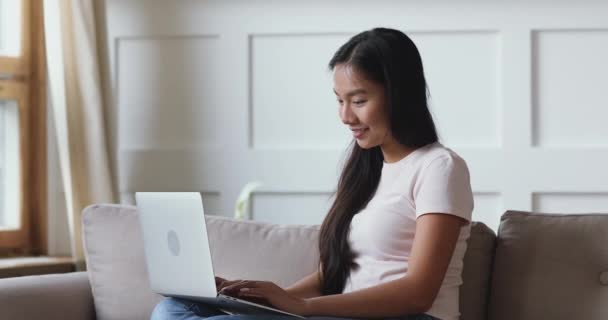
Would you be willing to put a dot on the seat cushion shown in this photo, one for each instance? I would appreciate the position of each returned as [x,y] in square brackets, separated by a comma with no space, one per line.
[477,272]
[240,249]
[550,266]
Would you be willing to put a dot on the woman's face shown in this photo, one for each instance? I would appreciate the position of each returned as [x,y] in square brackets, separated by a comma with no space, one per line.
[362,106]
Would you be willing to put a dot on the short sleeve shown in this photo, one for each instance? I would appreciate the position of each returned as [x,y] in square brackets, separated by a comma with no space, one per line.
[444,186]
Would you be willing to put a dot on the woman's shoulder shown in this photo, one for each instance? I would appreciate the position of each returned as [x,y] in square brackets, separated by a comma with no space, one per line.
[436,154]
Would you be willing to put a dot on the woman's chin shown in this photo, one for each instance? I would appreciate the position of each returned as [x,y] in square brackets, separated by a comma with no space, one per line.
[364,144]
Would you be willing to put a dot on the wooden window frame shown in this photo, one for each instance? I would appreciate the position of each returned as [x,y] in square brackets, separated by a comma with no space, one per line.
[24,81]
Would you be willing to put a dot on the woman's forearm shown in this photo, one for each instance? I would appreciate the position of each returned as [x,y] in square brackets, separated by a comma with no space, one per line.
[307,287]
[392,299]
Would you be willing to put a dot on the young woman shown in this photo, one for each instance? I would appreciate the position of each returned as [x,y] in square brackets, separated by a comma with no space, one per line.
[393,242]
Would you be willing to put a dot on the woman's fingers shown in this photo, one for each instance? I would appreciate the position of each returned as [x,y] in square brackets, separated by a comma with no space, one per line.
[224,283]
[219,280]
[235,287]
[229,287]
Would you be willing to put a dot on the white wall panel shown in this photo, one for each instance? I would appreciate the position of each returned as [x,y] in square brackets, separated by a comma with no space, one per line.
[571,105]
[463,74]
[212,95]
[211,200]
[212,203]
[571,202]
[292,101]
[290,208]
[166,96]
[488,209]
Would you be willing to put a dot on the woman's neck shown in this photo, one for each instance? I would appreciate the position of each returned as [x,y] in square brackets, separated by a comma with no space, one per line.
[393,151]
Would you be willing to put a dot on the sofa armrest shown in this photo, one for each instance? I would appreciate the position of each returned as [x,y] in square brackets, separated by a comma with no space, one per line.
[51,297]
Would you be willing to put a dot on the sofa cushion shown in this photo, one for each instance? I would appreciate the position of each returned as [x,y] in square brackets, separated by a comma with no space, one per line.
[240,249]
[550,266]
[116,264]
[477,273]
[255,250]
[65,296]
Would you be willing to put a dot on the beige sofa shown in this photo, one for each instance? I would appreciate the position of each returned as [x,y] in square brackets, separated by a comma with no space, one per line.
[541,266]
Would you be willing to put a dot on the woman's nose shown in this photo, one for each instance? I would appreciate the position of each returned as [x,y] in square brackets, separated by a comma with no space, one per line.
[347,115]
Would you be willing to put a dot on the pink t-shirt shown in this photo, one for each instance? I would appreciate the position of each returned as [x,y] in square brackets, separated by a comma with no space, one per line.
[432,179]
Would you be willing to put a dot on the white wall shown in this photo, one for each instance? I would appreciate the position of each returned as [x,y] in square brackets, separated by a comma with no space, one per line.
[209,95]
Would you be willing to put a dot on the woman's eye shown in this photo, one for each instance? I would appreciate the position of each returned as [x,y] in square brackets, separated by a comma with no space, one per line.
[360,101]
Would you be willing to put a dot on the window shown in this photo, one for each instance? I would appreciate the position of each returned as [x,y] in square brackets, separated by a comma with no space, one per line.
[9,157]
[10,28]
[22,129]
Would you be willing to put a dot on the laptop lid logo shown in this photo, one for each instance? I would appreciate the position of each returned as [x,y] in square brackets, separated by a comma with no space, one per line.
[173,242]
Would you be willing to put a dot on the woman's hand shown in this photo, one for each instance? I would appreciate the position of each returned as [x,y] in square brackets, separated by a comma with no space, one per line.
[270,292]
[221,283]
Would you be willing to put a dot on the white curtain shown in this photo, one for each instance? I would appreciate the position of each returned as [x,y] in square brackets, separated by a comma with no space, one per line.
[77,107]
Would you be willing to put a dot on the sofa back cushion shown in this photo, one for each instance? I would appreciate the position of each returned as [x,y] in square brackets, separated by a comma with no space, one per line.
[476,275]
[116,264]
[244,249]
[550,266]
[240,249]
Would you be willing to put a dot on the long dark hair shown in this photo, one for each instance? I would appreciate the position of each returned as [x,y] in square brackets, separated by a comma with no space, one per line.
[390,58]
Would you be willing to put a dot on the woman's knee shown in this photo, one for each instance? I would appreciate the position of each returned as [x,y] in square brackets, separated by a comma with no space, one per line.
[169,308]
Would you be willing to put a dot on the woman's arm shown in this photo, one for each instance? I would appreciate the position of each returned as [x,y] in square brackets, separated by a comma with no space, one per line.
[434,243]
[307,287]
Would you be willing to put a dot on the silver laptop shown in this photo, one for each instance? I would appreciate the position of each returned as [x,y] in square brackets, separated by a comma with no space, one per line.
[177,252]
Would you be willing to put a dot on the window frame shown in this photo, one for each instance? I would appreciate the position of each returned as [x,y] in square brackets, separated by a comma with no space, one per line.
[17,91]
[24,81]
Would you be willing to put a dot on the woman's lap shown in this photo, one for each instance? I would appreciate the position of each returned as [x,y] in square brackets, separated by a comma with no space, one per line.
[179,309]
